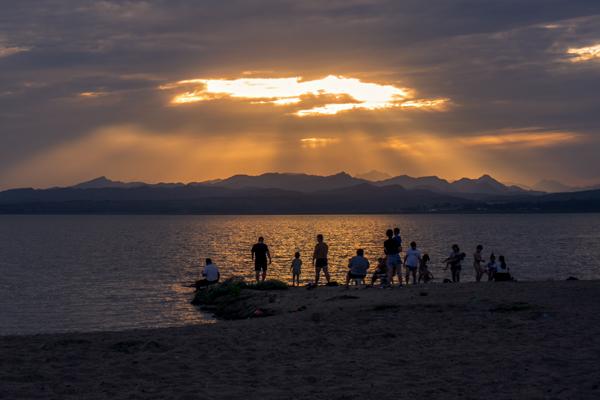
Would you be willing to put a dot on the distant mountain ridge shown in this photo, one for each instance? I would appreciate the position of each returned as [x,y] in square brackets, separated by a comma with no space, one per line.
[288,181]
[552,186]
[276,193]
[484,185]
[311,183]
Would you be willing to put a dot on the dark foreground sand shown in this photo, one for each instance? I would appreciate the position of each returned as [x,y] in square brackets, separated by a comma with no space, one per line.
[487,341]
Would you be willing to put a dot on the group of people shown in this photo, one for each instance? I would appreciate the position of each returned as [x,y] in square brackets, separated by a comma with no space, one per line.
[414,263]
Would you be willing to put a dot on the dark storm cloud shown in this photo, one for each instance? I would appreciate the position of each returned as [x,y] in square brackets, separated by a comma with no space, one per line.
[503,64]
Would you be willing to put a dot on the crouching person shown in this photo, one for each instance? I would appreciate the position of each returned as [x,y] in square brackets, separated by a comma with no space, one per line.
[357,267]
[210,273]
[380,273]
[502,272]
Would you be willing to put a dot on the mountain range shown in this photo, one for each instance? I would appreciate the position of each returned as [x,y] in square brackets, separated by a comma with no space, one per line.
[485,185]
[295,193]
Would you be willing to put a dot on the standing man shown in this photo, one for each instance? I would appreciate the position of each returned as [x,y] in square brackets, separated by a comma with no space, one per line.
[393,262]
[260,252]
[319,259]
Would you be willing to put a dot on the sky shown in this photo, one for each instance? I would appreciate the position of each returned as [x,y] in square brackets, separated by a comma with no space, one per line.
[181,91]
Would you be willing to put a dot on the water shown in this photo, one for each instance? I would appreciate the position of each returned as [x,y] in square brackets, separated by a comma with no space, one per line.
[86,273]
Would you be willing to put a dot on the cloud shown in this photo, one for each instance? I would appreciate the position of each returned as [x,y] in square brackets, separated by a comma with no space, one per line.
[6,51]
[523,138]
[315,142]
[348,93]
[582,54]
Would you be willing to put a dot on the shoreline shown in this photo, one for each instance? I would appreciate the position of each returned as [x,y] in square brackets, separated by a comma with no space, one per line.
[500,341]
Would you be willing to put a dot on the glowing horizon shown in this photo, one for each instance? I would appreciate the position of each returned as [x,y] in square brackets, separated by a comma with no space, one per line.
[337,94]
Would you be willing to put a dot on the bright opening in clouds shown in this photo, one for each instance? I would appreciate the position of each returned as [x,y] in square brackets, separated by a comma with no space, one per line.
[339,93]
[585,53]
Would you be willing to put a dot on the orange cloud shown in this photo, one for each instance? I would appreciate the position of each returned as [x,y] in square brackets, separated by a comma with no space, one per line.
[6,51]
[290,91]
[582,54]
[315,142]
[521,139]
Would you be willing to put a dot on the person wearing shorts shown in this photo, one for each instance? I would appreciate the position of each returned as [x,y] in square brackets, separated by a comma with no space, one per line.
[454,262]
[260,253]
[412,259]
[393,261]
[320,259]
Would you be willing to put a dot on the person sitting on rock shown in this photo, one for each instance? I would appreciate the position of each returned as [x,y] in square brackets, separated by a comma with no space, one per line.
[210,273]
[358,267]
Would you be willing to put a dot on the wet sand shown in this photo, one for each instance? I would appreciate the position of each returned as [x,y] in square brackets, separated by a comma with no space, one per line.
[538,340]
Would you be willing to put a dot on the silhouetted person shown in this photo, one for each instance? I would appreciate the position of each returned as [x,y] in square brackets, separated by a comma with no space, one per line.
[424,274]
[502,273]
[357,267]
[392,253]
[412,259]
[492,267]
[319,259]
[453,261]
[398,239]
[296,269]
[260,252]
[210,273]
[380,273]
[478,263]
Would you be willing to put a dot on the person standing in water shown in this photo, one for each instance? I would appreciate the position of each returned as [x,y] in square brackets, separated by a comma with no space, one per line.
[296,269]
[319,259]
[478,263]
[393,262]
[412,259]
[260,252]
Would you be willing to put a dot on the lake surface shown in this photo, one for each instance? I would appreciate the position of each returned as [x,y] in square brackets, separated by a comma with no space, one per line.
[88,273]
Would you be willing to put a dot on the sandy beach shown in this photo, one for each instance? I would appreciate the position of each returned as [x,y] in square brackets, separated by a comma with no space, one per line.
[538,340]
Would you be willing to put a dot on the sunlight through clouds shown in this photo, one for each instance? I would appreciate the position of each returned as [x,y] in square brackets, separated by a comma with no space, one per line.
[582,54]
[315,142]
[521,139]
[344,94]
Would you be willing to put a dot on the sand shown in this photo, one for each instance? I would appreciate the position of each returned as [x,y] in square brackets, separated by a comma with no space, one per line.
[441,341]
